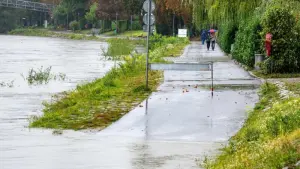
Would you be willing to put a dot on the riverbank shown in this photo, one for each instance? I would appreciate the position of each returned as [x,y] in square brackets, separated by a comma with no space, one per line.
[53,34]
[270,136]
[97,104]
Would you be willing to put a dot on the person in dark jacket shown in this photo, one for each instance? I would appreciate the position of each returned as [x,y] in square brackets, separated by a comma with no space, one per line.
[208,40]
[203,36]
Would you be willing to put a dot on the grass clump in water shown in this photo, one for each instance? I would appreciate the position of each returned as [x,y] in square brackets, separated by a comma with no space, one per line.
[42,76]
[269,138]
[9,84]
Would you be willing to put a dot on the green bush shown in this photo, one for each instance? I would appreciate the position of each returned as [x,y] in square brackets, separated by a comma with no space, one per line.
[226,36]
[247,41]
[281,24]
[74,25]
[136,25]
[82,23]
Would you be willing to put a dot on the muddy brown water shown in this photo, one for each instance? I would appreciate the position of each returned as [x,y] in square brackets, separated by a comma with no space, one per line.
[171,130]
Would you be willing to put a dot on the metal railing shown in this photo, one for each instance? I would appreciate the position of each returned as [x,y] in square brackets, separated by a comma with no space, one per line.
[29,5]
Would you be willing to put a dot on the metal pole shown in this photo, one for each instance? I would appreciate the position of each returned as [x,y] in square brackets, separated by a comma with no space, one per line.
[173,24]
[212,78]
[148,36]
[131,25]
[117,23]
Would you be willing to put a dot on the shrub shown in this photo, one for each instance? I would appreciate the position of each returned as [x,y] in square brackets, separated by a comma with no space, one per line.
[226,36]
[281,24]
[74,25]
[136,25]
[247,41]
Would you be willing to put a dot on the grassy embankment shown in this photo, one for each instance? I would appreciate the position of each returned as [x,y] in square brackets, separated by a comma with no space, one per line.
[136,33]
[48,33]
[270,138]
[275,75]
[103,101]
[77,35]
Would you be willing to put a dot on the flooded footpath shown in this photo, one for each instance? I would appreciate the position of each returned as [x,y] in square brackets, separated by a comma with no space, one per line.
[174,129]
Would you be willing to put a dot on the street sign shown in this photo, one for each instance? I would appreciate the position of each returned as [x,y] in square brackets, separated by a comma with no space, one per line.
[145,28]
[182,33]
[145,19]
[146,6]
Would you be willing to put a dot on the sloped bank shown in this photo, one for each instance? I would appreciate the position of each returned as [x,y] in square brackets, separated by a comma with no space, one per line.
[269,139]
[52,34]
[98,104]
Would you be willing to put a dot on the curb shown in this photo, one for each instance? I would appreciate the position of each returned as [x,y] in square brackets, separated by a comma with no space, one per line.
[262,80]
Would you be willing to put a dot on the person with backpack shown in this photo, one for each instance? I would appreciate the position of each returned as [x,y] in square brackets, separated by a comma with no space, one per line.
[203,36]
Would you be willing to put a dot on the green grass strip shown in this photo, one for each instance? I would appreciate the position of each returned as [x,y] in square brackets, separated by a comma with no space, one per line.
[99,103]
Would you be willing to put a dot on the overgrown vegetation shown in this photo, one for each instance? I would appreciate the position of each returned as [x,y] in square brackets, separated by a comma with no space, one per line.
[294,86]
[103,101]
[269,138]
[42,76]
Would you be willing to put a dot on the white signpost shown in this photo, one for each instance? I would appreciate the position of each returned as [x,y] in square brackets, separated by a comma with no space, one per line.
[182,33]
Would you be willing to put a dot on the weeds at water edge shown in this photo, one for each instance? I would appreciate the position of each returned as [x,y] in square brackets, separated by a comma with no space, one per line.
[42,76]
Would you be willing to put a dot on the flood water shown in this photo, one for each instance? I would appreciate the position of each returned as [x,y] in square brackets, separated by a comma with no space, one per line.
[172,130]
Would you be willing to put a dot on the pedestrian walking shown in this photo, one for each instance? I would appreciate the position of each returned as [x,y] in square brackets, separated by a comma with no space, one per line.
[203,36]
[208,40]
[213,40]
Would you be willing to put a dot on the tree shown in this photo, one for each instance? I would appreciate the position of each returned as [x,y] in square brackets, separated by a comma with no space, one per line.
[8,20]
[67,8]
[133,7]
[91,16]
[110,9]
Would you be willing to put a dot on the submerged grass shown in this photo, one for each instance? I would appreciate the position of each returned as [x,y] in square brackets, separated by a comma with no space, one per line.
[103,101]
[42,76]
[270,138]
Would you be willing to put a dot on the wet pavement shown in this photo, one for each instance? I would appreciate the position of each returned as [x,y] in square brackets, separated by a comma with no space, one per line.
[174,129]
